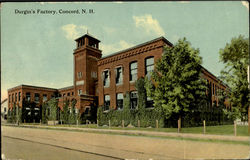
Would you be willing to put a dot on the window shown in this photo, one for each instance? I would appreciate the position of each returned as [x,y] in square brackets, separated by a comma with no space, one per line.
[15,97]
[76,111]
[93,74]
[149,103]
[133,99]
[45,97]
[48,111]
[133,71]
[12,97]
[28,96]
[9,98]
[37,97]
[213,88]
[79,91]
[105,78]
[64,94]
[118,75]
[72,93]
[79,75]
[149,62]
[119,100]
[106,102]
[68,94]
[19,96]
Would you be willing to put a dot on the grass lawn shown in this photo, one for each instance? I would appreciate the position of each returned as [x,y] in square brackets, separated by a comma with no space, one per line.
[218,130]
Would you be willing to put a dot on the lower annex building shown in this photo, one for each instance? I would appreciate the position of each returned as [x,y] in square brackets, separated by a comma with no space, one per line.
[103,81]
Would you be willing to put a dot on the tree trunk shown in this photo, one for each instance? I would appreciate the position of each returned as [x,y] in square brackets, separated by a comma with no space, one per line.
[179,124]
[248,120]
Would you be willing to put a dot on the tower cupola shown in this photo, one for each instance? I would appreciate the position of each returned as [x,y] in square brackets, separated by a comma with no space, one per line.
[87,40]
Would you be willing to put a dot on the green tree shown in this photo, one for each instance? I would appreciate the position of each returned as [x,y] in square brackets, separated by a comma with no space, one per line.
[65,112]
[235,56]
[73,115]
[126,109]
[44,115]
[52,106]
[179,87]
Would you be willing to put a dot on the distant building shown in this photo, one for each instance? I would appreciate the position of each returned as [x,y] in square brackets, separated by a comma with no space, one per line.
[4,108]
[103,81]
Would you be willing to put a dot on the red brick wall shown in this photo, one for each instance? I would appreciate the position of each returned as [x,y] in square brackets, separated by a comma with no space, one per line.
[32,90]
[124,59]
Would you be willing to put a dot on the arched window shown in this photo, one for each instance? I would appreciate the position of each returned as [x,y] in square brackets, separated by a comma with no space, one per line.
[133,99]
[106,102]
[119,100]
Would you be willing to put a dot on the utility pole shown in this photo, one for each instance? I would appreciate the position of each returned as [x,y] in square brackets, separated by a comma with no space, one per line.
[248,78]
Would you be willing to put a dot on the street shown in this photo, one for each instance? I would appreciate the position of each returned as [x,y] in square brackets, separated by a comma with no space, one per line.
[28,143]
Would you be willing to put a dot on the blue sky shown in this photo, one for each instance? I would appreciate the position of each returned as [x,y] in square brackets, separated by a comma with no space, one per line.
[37,49]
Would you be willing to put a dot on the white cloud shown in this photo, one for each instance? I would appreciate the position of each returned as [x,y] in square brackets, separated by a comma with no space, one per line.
[150,25]
[246,4]
[109,30]
[115,47]
[73,31]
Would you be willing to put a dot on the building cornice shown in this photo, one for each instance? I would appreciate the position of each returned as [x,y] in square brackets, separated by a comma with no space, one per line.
[31,87]
[138,49]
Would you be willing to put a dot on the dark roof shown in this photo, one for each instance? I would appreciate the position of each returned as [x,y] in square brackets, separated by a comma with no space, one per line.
[64,88]
[217,78]
[89,36]
[4,100]
[139,45]
[23,85]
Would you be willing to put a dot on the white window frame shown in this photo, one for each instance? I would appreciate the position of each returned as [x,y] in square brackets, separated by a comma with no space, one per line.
[119,96]
[116,74]
[107,84]
[79,92]
[130,71]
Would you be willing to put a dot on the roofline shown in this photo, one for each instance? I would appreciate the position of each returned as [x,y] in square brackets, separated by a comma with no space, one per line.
[24,85]
[4,100]
[139,45]
[88,35]
[214,76]
[64,88]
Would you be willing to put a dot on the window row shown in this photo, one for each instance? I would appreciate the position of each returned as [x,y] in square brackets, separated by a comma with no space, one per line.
[215,90]
[133,67]
[37,97]
[133,96]
[66,94]
[13,97]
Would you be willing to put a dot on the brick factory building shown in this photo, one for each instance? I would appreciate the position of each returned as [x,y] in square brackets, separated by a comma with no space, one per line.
[103,81]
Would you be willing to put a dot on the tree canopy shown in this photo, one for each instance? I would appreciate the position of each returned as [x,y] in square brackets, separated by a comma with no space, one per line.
[177,77]
[235,56]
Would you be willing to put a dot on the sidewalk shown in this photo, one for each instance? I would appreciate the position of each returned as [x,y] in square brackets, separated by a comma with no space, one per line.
[146,133]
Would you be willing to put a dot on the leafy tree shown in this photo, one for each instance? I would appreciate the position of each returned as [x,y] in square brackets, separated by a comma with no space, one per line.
[72,115]
[179,87]
[235,55]
[52,106]
[44,115]
[65,113]
[126,109]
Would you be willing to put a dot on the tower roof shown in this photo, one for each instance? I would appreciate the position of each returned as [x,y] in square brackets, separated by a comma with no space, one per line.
[89,36]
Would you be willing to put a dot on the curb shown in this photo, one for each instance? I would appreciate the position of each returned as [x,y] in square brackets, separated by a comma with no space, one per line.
[144,133]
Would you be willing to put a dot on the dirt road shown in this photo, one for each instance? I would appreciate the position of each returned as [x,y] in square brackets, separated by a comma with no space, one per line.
[114,146]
